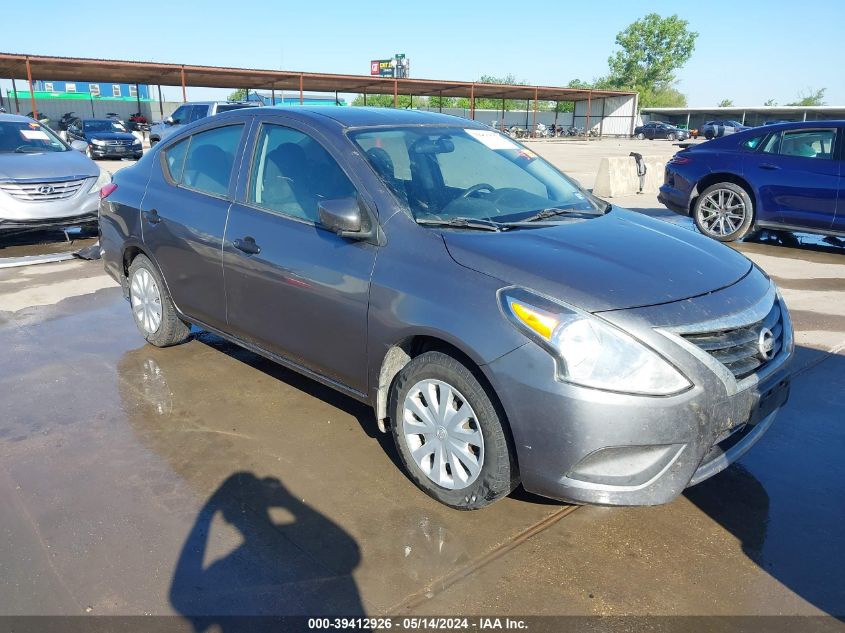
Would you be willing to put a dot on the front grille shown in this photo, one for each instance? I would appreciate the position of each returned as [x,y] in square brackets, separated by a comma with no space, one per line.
[738,349]
[119,143]
[42,191]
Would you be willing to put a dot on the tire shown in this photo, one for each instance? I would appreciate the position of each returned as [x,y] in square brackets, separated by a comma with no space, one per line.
[153,141]
[670,136]
[88,153]
[484,464]
[708,135]
[724,211]
[167,328]
[640,136]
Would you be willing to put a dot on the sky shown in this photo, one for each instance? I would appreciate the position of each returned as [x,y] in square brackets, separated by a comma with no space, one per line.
[748,51]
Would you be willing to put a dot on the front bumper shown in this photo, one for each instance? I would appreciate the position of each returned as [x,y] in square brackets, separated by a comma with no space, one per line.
[588,446]
[80,209]
[105,151]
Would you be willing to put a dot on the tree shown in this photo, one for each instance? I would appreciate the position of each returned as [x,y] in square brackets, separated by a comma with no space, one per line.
[662,97]
[652,49]
[770,103]
[725,103]
[441,102]
[386,101]
[239,95]
[810,97]
[492,103]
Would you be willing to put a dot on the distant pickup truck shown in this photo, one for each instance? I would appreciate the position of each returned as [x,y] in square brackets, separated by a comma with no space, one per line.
[190,112]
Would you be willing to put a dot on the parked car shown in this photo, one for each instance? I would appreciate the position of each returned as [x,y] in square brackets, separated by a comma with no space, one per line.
[43,181]
[505,325]
[715,129]
[105,138]
[658,129]
[190,112]
[780,176]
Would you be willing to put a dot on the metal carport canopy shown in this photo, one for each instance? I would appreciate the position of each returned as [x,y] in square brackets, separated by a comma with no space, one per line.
[133,72]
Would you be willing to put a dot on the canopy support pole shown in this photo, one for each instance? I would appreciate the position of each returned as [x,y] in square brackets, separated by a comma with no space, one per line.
[31,90]
[589,106]
[160,102]
[395,93]
[184,90]
[301,89]
[472,102]
[534,130]
[17,104]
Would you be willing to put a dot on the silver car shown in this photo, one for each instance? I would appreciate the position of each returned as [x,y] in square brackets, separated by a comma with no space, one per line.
[43,180]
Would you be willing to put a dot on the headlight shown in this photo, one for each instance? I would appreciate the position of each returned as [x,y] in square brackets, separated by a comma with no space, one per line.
[102,180]
[96,141]
[588,350]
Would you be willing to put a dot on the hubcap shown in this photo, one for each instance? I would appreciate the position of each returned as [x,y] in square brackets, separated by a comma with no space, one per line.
[722,212]
[146,300]
[442,434]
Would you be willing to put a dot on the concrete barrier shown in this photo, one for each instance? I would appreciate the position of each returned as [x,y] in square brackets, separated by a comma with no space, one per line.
[617,176]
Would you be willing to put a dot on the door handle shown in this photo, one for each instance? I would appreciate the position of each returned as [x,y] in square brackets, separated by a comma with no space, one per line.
[151,216]
[769,166]
[247,245]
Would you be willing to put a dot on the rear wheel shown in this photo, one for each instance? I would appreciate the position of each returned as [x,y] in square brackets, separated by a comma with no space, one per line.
[450,436]
[724,211]
[153,310]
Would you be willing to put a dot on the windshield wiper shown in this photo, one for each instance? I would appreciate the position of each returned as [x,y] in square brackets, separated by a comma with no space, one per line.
[463,223]
[551,212]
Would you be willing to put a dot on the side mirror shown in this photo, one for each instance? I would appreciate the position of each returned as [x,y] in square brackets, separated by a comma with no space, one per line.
[346,217]
[79,146]
[169,121]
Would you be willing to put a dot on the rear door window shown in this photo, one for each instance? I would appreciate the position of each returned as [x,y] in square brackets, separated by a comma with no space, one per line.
[209,160]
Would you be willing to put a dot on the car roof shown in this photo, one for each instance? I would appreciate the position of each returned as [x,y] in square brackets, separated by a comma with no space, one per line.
[354,116]
[14,117]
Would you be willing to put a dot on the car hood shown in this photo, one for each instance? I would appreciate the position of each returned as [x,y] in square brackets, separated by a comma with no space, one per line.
[46,166]
[110,136]
[616,261]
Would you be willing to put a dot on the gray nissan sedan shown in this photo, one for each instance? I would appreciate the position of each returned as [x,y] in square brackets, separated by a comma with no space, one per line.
[505,325]
[43,180]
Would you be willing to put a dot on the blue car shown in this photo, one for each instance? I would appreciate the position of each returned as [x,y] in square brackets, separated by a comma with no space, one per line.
[785,176]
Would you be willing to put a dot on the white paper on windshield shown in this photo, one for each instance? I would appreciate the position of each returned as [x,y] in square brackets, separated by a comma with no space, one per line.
[492,139]
[35,135]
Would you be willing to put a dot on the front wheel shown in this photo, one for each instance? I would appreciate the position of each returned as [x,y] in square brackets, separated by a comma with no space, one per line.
[450,436]
[671,137]
[724,211]
[640,136]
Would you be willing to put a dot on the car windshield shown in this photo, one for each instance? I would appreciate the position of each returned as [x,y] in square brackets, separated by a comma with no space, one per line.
[448,173]
[102,125]
[28,137]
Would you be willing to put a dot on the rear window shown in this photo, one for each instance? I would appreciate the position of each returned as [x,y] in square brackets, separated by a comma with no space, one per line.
[174,158]
[232,106]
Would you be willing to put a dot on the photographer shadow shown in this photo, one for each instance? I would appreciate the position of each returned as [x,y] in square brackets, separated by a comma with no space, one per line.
[270,573]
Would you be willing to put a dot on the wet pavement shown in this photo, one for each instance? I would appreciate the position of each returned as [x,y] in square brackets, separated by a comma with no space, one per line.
[203,479]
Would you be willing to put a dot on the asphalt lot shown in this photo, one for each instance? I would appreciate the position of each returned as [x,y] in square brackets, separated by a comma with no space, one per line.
[202,479]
